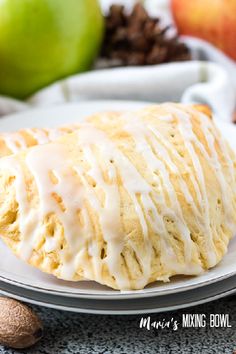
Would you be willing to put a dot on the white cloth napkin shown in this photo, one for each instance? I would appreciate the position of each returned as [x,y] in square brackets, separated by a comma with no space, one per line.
[193,81]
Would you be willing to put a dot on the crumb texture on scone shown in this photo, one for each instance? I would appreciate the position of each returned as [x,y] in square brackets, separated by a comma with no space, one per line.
[124,200]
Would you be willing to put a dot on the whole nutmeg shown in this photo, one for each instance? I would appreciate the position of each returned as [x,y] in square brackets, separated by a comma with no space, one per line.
[20,327]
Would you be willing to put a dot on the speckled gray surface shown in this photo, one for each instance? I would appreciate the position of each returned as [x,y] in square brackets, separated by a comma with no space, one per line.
[70,333]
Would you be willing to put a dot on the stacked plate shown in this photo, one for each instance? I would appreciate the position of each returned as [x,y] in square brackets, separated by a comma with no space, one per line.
[23,282]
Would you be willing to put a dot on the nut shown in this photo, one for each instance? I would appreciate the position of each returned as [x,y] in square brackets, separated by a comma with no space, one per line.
[20,327]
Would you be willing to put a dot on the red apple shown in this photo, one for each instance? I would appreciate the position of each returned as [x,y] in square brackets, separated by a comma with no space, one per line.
[212,20]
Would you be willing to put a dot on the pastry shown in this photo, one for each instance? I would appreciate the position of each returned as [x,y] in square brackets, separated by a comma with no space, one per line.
[124,200]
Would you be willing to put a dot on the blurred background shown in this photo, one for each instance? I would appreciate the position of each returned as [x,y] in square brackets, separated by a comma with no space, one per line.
[54,51]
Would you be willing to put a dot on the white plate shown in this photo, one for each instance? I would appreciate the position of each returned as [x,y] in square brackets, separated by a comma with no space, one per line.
[125,307]
[14,271]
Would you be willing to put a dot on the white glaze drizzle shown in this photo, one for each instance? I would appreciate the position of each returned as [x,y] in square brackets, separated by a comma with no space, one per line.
[40,135]
[14,141]
[155,163]
[225,187]
[191,142]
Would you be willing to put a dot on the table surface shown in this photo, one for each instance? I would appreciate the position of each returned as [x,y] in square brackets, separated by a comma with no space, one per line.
[84,334]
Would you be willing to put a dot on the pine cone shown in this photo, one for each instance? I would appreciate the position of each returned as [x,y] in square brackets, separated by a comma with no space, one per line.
[138,39]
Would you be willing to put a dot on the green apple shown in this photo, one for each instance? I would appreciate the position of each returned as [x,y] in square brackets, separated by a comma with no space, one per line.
[45,40]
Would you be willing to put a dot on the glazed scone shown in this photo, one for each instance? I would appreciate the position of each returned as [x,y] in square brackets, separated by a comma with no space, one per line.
[124,200]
